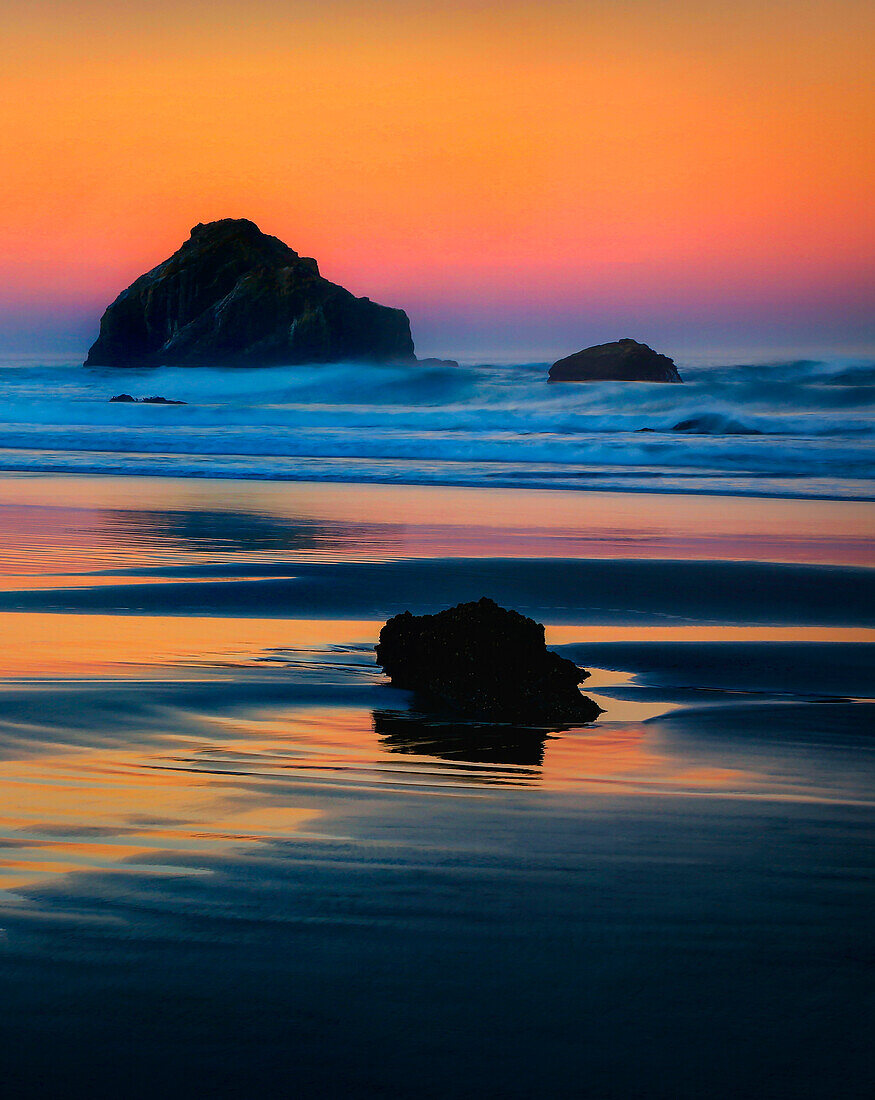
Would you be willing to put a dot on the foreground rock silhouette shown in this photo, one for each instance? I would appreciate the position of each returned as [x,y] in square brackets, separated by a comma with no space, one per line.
[482,661]
[621,361]
[233,296]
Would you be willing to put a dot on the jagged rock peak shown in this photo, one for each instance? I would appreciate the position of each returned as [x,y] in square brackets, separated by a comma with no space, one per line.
[232,295]
[242,232]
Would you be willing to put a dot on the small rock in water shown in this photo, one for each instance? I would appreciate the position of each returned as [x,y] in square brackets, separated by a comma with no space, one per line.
[483,661]
[126,398]
[432,362]
[714,425]
[621,361]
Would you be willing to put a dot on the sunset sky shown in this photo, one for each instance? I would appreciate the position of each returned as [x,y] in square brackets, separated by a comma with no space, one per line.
[522,178]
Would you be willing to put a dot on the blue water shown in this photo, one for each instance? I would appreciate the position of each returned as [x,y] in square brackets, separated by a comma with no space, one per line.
[799,429]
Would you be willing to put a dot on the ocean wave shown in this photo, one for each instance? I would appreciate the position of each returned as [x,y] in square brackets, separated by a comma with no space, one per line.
[804,420]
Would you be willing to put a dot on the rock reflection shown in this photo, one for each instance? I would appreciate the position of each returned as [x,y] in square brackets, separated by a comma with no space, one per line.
[472,742]
[212,531]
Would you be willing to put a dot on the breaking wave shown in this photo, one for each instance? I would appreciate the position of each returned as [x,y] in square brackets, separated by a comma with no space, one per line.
[801,428]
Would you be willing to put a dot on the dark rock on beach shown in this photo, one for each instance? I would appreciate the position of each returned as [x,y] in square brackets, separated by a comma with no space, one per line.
[621,361]
[482,661]
[123,397]
[234,296]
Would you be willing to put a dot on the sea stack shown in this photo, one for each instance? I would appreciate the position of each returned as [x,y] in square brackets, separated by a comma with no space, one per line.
[234,296]
[482,661]
[621,361]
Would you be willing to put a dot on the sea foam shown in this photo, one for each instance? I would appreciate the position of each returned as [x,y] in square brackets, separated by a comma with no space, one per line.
[802,428]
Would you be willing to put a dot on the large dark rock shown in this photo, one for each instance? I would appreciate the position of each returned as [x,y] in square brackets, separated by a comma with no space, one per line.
[621,361]
[483,661]
[234,296]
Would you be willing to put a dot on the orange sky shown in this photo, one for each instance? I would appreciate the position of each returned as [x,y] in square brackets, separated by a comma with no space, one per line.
[530,176]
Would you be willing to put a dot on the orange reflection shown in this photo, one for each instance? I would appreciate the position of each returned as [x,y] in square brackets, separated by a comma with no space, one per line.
[65,525]
[53,645]
[143,646]
[96,809]
[627,757]
[264,774]
[566,635]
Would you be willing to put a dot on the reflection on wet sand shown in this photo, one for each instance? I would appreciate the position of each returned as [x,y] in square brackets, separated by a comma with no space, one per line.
[219,533]
[269,773]
[98,810]
[186,778]
[73,524]
[51,645]
[465,741]
[150,742]
[225,840]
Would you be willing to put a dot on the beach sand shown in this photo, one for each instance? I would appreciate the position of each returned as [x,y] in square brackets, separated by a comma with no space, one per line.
[235,862]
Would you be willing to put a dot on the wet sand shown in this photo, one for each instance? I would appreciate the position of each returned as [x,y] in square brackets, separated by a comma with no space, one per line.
[233,861]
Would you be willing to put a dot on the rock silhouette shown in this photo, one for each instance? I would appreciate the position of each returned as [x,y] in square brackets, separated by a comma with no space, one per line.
[126,399]
[621,361]
[482,661]
[234,296]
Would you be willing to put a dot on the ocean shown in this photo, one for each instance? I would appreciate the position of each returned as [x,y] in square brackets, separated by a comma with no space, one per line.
[798,429]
